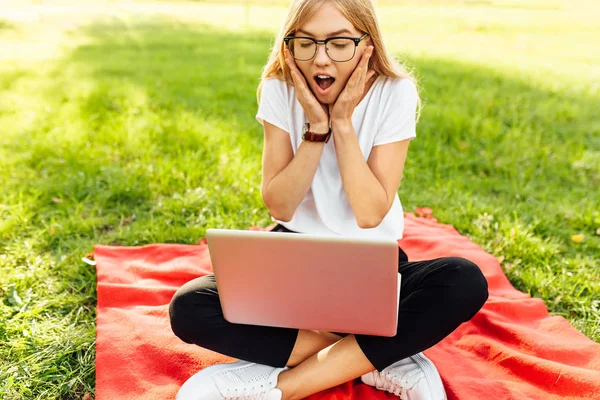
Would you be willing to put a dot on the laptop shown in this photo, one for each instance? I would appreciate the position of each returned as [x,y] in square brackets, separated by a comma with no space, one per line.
[307,281]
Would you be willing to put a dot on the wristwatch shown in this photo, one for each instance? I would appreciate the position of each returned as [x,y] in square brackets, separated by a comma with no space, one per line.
[314,137]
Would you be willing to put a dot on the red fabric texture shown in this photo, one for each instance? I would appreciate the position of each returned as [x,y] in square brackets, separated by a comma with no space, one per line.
[511,349]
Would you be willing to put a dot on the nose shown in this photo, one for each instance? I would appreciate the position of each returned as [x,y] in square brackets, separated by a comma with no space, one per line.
[321,57]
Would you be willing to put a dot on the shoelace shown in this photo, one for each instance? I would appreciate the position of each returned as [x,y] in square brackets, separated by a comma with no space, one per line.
[399,378]
[382,383]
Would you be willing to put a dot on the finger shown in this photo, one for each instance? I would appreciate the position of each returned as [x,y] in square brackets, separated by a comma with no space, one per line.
[366,55]
[296,74]
[365,60]
[362,67]
[289,61]
[356,75]
[288,56]
[365,66]
[298,82]
[302,84]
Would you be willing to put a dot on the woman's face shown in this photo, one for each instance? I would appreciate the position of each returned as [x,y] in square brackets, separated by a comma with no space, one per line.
[328,22]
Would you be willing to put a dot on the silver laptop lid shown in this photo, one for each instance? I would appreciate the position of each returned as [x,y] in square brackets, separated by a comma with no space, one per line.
[306,281]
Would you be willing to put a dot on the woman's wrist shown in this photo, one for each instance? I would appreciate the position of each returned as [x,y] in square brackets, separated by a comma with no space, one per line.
[319,127]
[341,126]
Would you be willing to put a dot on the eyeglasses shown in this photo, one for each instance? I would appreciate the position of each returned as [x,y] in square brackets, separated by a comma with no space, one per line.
[305,48]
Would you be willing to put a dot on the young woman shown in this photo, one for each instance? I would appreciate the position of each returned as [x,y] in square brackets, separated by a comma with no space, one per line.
[338,175]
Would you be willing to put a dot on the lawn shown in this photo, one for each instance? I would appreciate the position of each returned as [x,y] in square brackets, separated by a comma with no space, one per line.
[133,123]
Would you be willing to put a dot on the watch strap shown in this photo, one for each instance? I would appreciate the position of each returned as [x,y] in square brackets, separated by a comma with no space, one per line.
[315,137]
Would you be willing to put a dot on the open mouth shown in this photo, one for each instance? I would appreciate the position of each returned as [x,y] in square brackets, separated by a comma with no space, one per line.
[324,81]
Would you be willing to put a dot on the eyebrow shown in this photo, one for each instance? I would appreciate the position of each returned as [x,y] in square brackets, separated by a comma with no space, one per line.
[330,34]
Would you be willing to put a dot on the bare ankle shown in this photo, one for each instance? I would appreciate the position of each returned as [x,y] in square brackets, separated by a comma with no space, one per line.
[310,342]
[285,386]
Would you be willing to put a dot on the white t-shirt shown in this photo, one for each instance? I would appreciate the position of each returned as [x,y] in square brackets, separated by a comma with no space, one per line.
[386,114]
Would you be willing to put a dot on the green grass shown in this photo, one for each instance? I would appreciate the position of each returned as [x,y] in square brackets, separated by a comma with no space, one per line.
[141,130]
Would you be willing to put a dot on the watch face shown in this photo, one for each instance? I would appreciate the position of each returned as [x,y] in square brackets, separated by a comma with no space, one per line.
[304,128]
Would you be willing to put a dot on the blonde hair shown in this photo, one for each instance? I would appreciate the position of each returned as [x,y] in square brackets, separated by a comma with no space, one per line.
[361,15]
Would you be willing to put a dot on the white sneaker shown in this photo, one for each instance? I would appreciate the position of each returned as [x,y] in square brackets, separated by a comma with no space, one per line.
[412,378]
[239,380]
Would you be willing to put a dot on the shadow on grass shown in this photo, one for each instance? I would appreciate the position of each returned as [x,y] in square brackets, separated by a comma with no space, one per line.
[172,106]
[164,110]
[162,91]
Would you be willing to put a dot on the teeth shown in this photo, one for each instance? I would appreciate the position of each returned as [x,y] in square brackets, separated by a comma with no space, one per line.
[323,76]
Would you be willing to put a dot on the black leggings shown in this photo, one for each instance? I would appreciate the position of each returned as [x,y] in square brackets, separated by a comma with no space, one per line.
[436,296]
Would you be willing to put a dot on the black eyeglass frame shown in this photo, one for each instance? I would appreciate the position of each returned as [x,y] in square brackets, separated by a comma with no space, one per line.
[325,41]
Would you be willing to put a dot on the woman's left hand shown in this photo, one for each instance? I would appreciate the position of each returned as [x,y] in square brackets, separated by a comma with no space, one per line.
[347,101]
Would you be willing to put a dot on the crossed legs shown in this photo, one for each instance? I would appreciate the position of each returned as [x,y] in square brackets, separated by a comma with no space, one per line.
[321,360]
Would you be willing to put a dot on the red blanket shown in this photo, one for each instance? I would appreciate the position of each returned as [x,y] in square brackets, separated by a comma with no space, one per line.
[511,349]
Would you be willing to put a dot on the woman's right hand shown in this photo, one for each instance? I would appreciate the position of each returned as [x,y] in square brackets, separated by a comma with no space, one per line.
[316,112]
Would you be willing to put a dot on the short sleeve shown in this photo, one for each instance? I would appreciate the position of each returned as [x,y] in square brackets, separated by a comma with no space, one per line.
[273,104]
[399,117]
